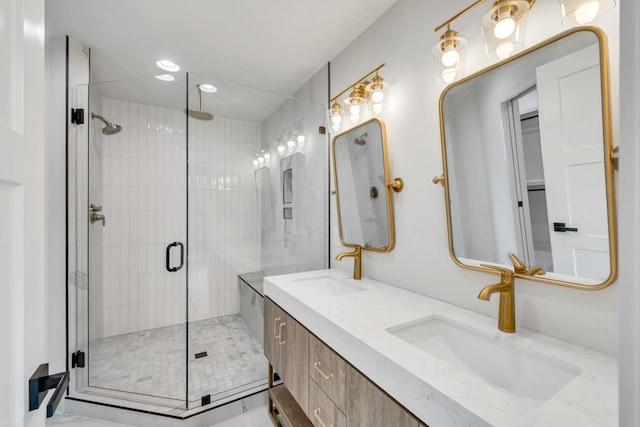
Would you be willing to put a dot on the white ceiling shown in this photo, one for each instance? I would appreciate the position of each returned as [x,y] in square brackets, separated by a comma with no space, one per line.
[271,45]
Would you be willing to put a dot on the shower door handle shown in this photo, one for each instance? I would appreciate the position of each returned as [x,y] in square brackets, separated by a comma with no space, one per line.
[171,245]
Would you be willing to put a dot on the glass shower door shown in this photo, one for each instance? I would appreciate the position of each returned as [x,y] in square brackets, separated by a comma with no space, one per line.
[135,207]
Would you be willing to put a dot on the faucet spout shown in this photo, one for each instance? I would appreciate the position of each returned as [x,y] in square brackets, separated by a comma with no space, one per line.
[507,308]
[487,291]
[357,261]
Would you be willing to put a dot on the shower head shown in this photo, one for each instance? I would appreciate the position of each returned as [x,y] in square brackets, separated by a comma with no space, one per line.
[110,128]
[361,140]
[198,113]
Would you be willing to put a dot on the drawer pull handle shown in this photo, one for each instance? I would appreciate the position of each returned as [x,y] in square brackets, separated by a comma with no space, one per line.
[275,327]
[280,333]
[316,414]
[316,365]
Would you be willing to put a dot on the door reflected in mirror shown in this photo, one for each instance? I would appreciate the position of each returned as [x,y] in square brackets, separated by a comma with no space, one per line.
[363,198]
[526,148]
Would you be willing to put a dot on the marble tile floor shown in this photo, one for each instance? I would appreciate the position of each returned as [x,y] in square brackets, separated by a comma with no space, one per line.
[152,362]
[255,418]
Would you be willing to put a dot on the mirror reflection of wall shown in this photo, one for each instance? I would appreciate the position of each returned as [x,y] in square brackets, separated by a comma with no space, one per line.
[526,162]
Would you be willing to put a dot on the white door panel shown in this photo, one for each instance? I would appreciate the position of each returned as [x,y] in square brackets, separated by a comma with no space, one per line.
[569,95]
[22,303]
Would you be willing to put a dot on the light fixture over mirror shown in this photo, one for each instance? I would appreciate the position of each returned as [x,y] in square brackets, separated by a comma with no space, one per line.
[581,12]
[362,93]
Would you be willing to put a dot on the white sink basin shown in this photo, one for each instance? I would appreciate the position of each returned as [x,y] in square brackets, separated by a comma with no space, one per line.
[330,286]
[502,364]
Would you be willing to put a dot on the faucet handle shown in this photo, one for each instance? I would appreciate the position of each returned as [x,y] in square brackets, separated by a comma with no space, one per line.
[520,267]
[505,273]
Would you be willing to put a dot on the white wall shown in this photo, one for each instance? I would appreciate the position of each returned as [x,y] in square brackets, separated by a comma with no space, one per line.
[629,213]
[420,262]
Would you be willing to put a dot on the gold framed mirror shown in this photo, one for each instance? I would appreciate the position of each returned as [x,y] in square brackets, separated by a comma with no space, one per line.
[363,187]
[528,172]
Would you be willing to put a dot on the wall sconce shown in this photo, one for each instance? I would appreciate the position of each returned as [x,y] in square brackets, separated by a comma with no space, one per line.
[503,29]
[262,158]
[376,91]
[581,12]
[449,56]
[281,147]
[363,92]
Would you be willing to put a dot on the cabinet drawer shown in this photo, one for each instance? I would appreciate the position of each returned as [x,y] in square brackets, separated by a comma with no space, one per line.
[369,406]
[329,371]
[322,411]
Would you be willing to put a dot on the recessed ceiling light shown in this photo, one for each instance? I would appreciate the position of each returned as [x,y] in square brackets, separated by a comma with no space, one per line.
[165,77]
[206,87]
[167,65]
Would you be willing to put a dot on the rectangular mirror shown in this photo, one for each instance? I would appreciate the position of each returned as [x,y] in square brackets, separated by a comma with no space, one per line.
[363,188]
[527,156]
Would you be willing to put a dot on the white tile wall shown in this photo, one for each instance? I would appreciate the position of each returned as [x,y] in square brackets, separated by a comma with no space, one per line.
[144,201]
[224,220]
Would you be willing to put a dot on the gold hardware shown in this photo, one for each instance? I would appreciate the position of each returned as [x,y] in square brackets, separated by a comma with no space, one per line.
[357,261]
[275,326]
[316,414]
[397,184]
[615,157]
[281,341]
[521,268]
[439,180]
[608,165]
[507,308]
[334,192]
[316,365]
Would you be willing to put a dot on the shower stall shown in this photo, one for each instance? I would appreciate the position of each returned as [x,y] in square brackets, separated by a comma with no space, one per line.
[164,216]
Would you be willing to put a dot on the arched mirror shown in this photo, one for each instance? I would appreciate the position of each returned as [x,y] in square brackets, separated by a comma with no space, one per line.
[527,153]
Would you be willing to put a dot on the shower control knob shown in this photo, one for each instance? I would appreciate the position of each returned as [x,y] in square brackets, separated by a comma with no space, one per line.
[95,208]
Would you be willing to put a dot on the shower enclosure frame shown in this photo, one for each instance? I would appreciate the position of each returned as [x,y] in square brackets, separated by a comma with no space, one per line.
[81,378]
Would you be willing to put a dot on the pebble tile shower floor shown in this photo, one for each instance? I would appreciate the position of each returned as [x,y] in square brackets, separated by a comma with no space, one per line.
[153,362]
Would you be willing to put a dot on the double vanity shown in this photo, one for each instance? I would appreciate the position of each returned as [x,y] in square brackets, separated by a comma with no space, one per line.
[356,352]
[432,363]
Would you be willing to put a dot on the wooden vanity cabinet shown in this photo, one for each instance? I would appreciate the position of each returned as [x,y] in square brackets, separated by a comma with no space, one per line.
[285,346]
[368,405]
[326,387]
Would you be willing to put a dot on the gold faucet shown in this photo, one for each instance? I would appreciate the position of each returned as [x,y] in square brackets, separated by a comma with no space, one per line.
[357,261]
[520,267]
[507,309]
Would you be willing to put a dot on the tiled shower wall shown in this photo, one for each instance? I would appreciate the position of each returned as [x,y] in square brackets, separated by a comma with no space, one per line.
[144,200]
[224,221]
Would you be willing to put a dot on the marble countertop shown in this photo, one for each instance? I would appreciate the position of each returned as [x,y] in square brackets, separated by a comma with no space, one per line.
[355,326]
